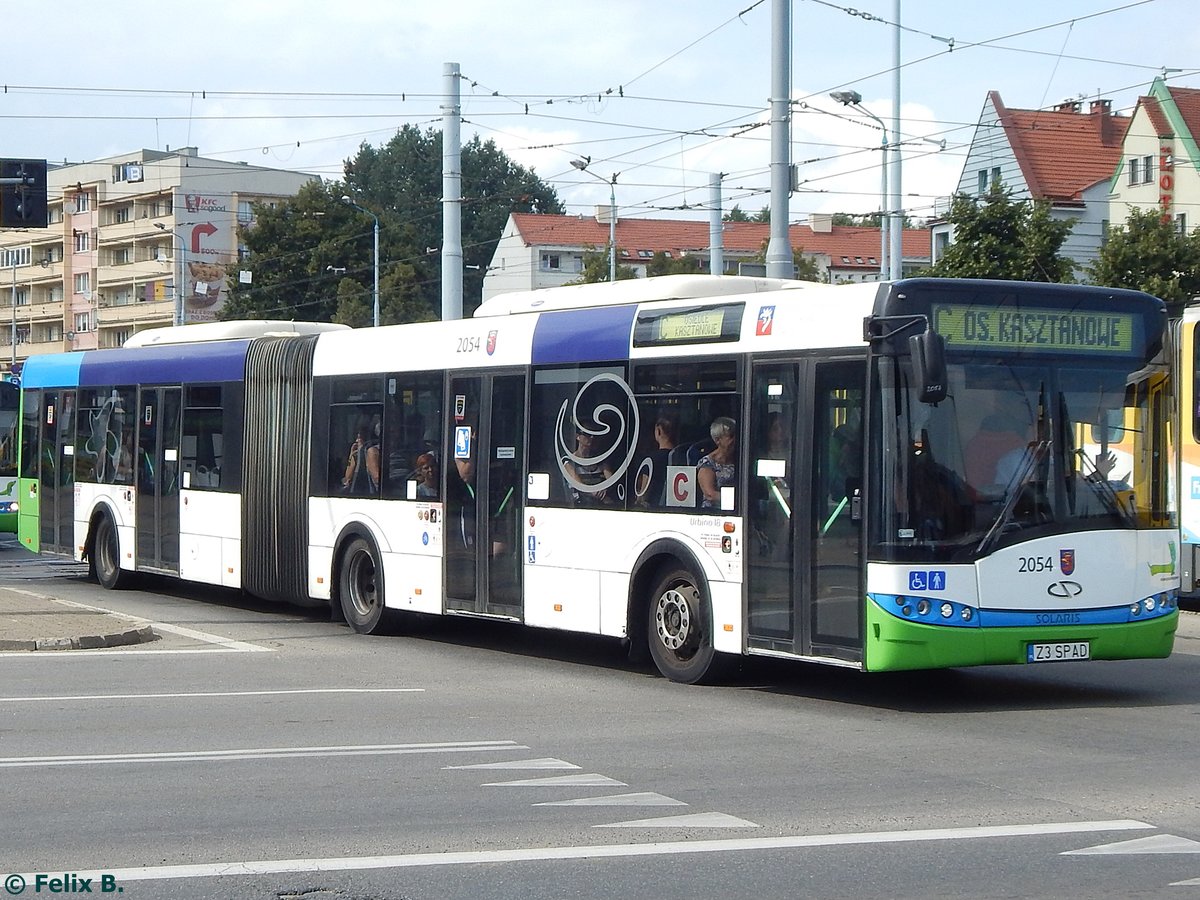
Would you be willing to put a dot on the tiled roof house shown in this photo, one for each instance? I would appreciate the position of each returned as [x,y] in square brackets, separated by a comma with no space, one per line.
[537,250]
[1063,155]
[1160,161]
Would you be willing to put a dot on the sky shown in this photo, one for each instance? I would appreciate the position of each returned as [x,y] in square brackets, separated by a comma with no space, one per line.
[659,94]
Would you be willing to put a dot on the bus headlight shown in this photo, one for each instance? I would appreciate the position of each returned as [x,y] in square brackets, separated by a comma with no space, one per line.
[923,608]
[966,614]
[947,610]
[1149,604]
[1136,609]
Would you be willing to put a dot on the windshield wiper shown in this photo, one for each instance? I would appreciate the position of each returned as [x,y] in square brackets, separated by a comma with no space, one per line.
[1016,486]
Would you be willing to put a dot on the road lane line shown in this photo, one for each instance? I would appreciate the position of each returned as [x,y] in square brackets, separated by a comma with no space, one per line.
[70,697]
[595,851]
[23,762]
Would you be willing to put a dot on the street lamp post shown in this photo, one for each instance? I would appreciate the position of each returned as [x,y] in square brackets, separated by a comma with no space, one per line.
[179,290]
[582,166]
[854,98]
[375,300]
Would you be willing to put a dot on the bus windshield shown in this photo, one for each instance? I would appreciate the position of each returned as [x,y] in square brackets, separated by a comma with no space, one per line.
[1016,450]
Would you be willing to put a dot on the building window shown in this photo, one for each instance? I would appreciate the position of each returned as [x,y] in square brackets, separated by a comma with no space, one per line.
[83,203]
[245,214]
[56,294]
[1104,226]
[1181,222]
[551,262]
[22,296]
[22,334]
[122,214]
[82,241]
[19,256]
[118,337]
[982,182]
[82,322]
[122,256]
[83,282]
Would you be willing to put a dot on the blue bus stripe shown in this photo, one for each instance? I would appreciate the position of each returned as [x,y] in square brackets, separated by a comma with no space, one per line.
[583,335]
[165,364]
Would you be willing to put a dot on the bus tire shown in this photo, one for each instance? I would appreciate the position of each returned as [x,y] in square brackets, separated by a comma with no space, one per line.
[360,588]
[678,629]
[105,556]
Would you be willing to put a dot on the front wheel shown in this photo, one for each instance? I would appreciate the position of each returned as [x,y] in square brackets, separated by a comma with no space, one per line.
[360,587]
[106,555]
[679,630]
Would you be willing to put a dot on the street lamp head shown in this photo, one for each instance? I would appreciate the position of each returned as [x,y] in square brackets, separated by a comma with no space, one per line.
[847,98]
[160,226]
[347,200]
[581,164]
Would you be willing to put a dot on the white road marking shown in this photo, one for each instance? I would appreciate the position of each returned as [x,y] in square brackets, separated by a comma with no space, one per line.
[596,851]
[19,762]
[1191,882]
[641,798]
[562,781]
[44,655]
[1158,843]
[227,643]
[547,762]
[693,820]
[69,697]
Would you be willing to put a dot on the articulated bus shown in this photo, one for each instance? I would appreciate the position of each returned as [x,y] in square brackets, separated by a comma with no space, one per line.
[10,398]
[1189,449]
[879,476]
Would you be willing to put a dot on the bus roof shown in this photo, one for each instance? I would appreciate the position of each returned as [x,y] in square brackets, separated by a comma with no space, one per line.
[238,329]
[633,290]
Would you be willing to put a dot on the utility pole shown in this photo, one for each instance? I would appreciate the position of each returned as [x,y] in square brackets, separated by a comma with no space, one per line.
[780,263]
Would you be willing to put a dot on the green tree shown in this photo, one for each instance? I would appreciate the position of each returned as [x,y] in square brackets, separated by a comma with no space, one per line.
[661,264]
[1150,254]
[735,214]
[354,304]
[293,245]
[998,237]
[596,267]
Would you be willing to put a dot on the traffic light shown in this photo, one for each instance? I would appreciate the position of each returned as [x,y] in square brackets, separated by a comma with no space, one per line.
[22,193]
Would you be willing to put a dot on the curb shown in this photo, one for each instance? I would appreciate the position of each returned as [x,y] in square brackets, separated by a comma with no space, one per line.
[88,642]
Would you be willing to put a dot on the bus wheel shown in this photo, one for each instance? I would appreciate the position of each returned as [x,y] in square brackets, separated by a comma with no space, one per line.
[678,632]
[106,555]
[361,588]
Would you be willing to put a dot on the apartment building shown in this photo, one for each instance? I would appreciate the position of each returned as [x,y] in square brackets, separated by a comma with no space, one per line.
[136,241]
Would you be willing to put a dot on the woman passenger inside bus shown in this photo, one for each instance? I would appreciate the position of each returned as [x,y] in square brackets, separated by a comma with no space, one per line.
[363,465]
[427,474]
[581,477]
[718,468]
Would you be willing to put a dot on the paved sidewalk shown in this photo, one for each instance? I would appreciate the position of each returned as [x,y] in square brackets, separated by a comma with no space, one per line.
[31,621]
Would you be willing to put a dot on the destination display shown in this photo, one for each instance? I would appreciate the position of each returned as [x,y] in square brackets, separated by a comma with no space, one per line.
[689,326]
[1035,330]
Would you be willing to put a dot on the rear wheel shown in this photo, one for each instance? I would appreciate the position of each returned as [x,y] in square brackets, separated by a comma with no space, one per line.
[678,628]
[360,588]
[106,555]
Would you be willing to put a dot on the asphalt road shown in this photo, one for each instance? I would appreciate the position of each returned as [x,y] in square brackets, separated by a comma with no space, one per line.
[258,752]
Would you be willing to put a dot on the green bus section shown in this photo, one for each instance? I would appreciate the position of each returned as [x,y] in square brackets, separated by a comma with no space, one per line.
[894,645]
[27,518]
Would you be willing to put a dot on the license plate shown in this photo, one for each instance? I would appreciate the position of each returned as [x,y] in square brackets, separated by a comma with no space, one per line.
[1058,652]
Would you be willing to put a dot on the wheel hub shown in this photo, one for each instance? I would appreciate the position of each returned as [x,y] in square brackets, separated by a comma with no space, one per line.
[673,619]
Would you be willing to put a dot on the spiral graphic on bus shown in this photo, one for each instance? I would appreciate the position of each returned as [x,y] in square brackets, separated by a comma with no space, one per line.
[604,422]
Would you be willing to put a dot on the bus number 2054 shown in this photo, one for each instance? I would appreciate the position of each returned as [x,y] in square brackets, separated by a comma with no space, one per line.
[1036,564]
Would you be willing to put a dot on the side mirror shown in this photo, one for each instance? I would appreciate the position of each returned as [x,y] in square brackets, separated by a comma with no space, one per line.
[927,351]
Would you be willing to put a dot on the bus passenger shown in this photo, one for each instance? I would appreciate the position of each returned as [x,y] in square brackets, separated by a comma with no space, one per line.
[427,474]
[581,476]
[363,466]
[651,485]
[718,468]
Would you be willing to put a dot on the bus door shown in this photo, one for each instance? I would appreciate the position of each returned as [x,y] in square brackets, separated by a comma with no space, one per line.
[804,540]
[56,472]
[484,494]
[157,476]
